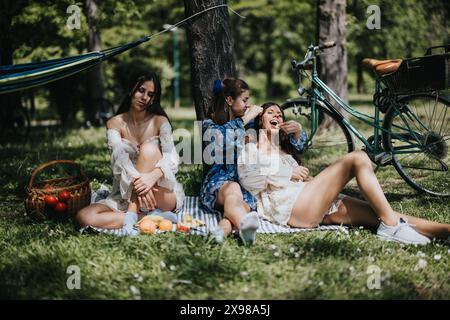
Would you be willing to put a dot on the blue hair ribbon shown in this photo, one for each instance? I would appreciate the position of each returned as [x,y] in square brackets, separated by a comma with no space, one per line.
[218,87]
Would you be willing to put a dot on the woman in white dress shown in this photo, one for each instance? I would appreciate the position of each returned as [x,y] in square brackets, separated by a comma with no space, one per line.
[143,158]
[288,196]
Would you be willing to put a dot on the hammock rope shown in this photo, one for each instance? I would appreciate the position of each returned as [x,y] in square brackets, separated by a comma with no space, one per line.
[24,76]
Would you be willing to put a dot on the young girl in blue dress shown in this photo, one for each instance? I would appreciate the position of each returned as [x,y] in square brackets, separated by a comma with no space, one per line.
[228,115]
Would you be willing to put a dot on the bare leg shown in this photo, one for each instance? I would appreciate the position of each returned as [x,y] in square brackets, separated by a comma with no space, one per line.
[234,207]
[149,156]
[355,212]
[318,194]
[100,215]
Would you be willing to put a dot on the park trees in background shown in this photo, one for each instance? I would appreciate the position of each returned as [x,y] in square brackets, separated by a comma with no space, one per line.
[211,50]
[331,26]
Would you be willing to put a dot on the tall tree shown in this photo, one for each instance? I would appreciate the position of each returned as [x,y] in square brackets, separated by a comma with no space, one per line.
[95,89]
[210,43]
[331,27]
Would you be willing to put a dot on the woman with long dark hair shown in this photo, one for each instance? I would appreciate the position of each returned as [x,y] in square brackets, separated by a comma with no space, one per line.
[144,161]
[287,196]
[228,115]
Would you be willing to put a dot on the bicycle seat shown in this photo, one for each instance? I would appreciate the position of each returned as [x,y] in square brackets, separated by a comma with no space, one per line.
[382,67]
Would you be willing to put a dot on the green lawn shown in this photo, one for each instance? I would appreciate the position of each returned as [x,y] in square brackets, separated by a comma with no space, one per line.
[34,257]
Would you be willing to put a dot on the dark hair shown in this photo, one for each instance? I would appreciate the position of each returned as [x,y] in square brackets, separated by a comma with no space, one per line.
[220,111]
[285,144]
[155,106]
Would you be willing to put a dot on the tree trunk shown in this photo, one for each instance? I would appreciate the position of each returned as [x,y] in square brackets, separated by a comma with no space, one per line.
[95,90]
[210,46]
[269,58]
[333,62]
[360,85]
[8,10]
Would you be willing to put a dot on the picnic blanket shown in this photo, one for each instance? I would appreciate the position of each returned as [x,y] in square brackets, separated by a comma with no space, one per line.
[193,208]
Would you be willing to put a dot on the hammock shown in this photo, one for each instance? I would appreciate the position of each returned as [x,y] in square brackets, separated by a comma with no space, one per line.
[23,76]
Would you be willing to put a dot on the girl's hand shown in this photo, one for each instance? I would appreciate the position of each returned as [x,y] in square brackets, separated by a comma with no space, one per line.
[300,174]
[148,200]
[251,113]
[146,181]
[291,126]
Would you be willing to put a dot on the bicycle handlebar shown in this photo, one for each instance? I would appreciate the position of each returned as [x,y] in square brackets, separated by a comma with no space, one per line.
[310,54]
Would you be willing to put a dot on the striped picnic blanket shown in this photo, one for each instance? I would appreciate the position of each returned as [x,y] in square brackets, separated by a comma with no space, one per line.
[192,207]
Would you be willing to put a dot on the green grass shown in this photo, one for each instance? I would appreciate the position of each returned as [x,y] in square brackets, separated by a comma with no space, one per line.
[34,256]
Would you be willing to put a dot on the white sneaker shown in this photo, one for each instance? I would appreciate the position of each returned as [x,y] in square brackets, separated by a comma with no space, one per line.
[218,234]
[402,232]
[249,225]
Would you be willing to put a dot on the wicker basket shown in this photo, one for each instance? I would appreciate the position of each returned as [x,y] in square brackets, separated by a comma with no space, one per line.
[77,185]
[424,74]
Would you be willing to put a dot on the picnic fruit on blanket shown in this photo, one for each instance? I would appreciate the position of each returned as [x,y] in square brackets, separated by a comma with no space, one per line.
[165,225]
[64,196]
[156,219]
[182,227]
[60,207]
[51,200]
[147,226]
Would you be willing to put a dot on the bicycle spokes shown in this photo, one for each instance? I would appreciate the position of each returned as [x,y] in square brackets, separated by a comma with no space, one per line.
[419,140]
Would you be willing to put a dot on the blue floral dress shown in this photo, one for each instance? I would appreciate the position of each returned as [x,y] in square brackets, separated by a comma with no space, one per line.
[228,140]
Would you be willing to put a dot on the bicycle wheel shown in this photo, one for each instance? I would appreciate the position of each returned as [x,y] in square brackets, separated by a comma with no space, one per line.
[20,122]
[418,137]
[332,139]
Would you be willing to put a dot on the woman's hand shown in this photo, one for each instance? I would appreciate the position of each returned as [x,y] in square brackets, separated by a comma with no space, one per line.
[300,174]
[146,181]
[293,127]
[148,200]
[251,113]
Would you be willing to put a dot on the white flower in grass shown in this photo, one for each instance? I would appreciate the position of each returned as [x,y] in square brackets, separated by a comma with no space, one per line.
[320,283]
[357,232]
[361,228]
[437,257]
[291,249]
[197,254]
[358,250]
[420,254]
[448,251]
[172,267]
[351,269]
[371,259]
[162,264]
[136,292]
[245,289]
[312,249]
[244,273]
[421,264]
[296,255]
[276,254]
[273,247]
[138,277]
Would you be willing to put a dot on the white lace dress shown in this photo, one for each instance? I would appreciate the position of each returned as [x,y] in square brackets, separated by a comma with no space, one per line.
[124,154]
[268,178]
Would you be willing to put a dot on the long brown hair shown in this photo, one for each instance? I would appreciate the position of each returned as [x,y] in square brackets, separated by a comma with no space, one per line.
[285,144]
[155,106]
[220,111]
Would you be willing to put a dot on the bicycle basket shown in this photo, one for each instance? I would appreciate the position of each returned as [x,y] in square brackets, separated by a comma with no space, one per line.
[423,74]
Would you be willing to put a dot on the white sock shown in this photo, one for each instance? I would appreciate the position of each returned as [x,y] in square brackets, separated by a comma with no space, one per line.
[249,225]
[129,221]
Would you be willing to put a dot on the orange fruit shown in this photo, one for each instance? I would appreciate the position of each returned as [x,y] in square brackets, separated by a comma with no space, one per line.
[165,225]
[147,227]
[182,227]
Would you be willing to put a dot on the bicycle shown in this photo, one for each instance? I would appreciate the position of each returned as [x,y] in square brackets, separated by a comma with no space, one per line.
[412,135]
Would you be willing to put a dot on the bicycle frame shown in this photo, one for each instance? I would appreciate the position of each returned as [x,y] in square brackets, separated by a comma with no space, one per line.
[315,94]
